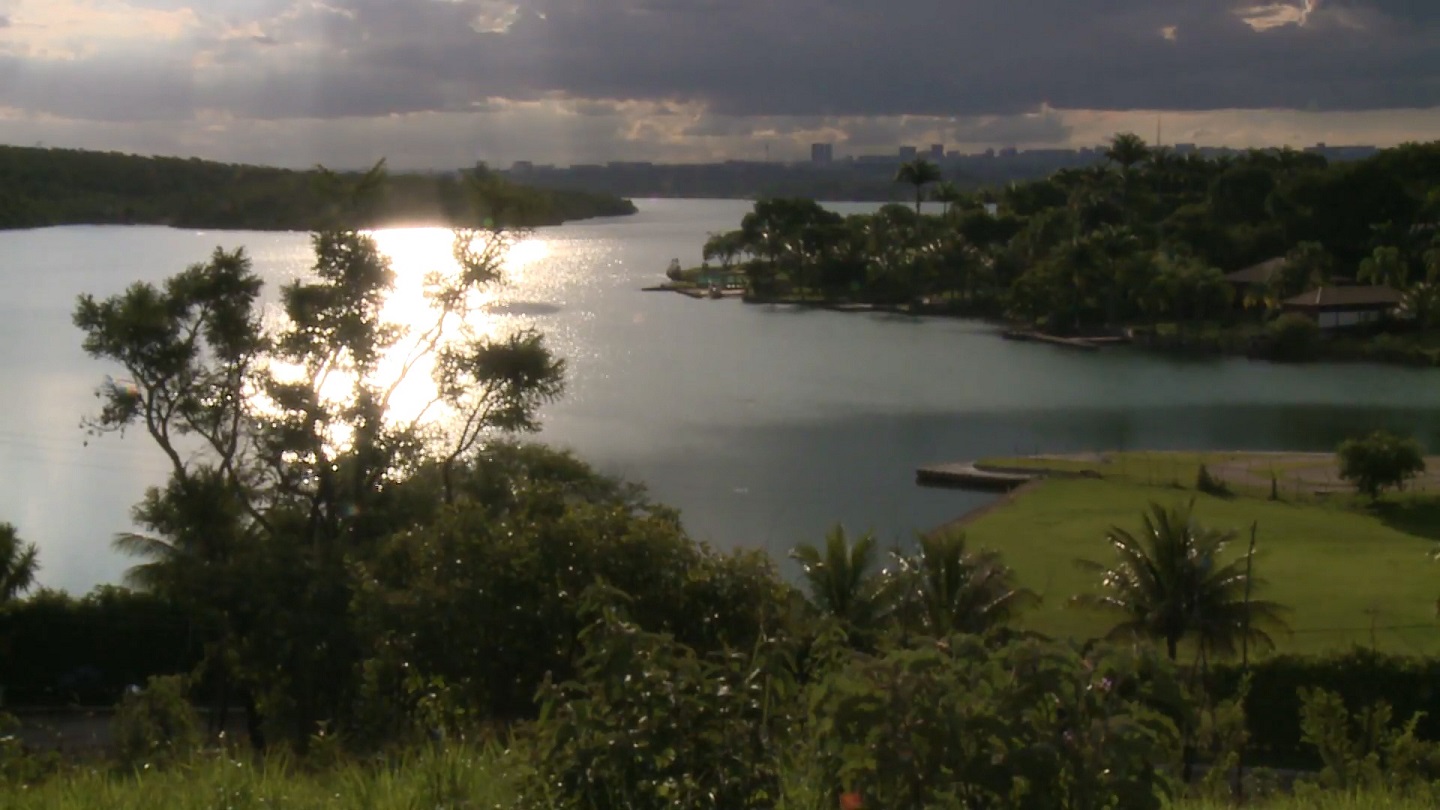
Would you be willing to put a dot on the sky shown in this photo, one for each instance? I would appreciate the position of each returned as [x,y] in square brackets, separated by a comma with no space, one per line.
[444,83]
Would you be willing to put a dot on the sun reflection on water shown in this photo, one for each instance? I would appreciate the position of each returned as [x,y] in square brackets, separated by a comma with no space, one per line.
[416,255]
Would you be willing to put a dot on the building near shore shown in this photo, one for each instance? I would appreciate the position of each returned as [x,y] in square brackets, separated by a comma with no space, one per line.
[1336,307]
[1258,275]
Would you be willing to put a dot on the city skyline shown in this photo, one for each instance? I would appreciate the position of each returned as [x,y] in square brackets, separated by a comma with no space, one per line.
[824,154]
[441,83]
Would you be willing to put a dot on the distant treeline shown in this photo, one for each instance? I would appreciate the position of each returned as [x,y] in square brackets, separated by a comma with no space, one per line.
[43,187]
[738,180]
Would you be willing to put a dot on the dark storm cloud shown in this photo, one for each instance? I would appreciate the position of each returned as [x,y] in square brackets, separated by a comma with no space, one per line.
[933,57]
[740,58]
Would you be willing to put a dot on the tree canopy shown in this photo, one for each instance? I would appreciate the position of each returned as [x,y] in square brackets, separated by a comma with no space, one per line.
[1380,461]
[1144,242]
[289,464]
[43,187]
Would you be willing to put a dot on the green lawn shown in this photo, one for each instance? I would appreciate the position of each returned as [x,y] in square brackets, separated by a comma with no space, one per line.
[1339,569]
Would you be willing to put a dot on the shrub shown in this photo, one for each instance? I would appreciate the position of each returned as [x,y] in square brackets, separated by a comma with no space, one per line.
[1030,725]
[1293,338]
[1380,461]
[650,725]
[1363,749]
[156,725]
[1361,677]
[486,600]
[19,766]
[1209,484]
[87,650]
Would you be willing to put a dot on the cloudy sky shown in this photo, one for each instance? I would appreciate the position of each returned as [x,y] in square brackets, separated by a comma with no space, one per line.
[442,83]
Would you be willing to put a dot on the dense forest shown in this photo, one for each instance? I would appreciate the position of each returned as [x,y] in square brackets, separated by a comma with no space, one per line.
[43,187]
[1144,241]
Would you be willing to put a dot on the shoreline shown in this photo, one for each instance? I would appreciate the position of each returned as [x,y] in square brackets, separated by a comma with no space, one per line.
[1134,336]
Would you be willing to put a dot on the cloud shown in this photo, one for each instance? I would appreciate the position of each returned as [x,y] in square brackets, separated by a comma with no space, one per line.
[709,73]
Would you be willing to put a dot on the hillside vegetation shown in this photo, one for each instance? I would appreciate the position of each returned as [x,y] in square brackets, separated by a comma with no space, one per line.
[44,187]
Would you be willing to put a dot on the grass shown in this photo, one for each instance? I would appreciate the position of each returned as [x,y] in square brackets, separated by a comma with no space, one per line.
[1321,801]
[1342,569]
[1180,469]
[453,779]
[449,778]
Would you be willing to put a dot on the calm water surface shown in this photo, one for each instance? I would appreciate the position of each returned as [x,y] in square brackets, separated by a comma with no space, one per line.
[762,424]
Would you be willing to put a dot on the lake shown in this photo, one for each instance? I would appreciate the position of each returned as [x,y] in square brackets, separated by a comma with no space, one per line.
[764,425]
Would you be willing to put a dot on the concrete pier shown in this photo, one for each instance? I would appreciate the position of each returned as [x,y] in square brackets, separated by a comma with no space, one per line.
[968,476]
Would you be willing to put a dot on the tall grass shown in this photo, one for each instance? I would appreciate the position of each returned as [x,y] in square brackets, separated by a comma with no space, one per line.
[1320,801]
[456,778]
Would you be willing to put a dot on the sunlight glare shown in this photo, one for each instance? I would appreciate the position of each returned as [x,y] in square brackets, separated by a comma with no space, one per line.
[415,254]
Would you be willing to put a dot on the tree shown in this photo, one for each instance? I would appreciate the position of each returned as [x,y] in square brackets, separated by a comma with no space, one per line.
[489,597]
[946,588]
[1293,337]
[1169,583]
[918,173]
[1380,461]
[1307,265]
[947,194]
[18,564]
[289,462]
[843,579]
[1387,266]
[725,247]
[1127,150]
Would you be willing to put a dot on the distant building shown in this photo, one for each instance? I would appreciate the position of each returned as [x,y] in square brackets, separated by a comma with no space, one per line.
[908,153]
[822,154]
[522,167]
[1261,273]
[1009,152]
[990,153]
[1342,152]
[1337,307]
[937,152]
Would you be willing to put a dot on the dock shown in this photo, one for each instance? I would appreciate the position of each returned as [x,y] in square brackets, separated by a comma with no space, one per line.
[966,475]
[1027,335]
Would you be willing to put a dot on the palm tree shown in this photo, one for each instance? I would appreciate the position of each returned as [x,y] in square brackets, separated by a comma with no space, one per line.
[918,173]
[843,579]
[946,588]
[948,194]
[18,564]
[1127,150]
[1387,266]
[1308,264]
[1169,583]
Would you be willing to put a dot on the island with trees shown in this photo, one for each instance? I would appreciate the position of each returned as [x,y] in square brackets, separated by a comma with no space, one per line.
[334,605]
[1273,253]
[44,187]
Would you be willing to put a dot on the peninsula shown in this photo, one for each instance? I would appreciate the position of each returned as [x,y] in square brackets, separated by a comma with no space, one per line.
[46,187]
[1279,254]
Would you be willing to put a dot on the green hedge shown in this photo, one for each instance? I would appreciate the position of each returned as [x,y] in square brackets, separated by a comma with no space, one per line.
[1361,677]
[56,650]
